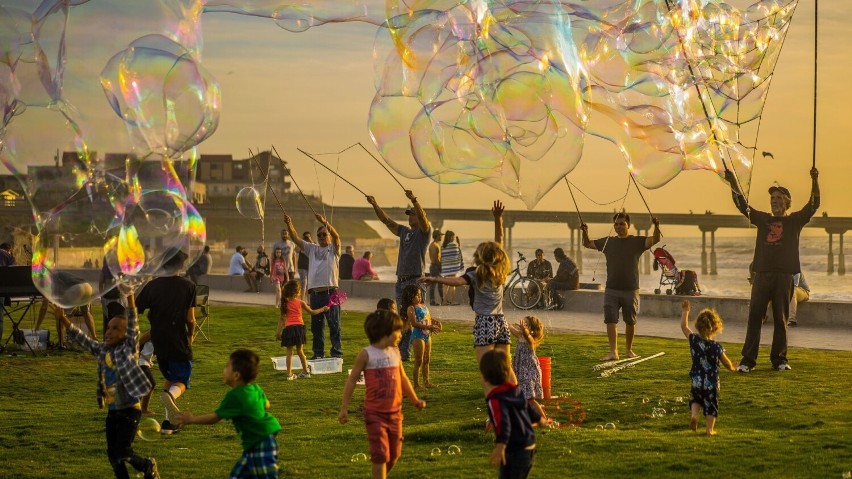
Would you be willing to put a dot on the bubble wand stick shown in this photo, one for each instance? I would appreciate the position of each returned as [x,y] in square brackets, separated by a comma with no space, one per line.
[643,199]
[382,165]
[294,182]
[570,190]
[266,176]
[329,169]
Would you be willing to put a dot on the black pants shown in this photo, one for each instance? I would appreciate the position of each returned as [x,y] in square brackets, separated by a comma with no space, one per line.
[435,272]
[121,427]
[777,288]
[518,465]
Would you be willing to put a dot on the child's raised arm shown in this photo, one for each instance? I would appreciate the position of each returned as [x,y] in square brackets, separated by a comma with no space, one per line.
[448,280]
[308,309]
[684,318]
[357,368]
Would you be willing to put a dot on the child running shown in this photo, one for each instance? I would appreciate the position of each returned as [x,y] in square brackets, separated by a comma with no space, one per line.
[386,382]
[246,406]
[121,383]
[294,327]
[530,334]
[706,355]
[512,416]
[490,328]
[419,318]
[278,273]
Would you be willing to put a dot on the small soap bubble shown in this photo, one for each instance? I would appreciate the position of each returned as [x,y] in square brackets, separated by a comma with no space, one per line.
[847,475]
[359,457]
[609,425]
[453,450]
[662,402]
[645,400]
[679,399]
[599,427]
[148,429]
[436,452]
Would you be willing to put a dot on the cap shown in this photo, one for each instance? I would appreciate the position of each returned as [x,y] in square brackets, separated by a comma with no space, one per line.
[780,189]
[174,258]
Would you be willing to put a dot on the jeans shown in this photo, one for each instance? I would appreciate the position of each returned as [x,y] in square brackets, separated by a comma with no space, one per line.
[332,317]
[405,341]
[777,288]
[518,465]
[120,431]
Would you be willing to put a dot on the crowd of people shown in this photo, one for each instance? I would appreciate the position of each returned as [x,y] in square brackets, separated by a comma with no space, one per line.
[512,384]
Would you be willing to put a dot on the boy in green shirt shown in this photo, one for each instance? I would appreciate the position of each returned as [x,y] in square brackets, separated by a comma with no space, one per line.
[245,405]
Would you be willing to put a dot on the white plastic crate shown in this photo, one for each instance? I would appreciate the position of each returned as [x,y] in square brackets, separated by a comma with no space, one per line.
[279,363]
[36,339]
[325,365]
[360,379]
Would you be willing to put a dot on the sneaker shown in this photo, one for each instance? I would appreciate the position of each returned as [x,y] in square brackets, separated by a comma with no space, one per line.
[742,368]
[791,324]
[317,357]
[291,377]
[304,375]
[168,428]
[169,403]
[783,367]
[150,471]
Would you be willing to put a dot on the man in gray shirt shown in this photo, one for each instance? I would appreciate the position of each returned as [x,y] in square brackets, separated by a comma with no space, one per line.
[413,241]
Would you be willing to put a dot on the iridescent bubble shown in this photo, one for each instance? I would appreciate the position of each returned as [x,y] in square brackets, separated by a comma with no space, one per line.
[599,427]
[250,203]
[435,452]
[645,400]
[359,457]
[148,429]
[609,425]
[453,450]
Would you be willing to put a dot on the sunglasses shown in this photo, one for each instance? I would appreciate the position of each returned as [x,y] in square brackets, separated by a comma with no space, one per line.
[322,235]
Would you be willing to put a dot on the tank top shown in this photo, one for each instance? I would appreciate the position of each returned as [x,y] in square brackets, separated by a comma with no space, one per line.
[384,384]
[294,313]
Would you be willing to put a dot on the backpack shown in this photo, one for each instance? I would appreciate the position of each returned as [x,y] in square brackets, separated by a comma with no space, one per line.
[687,283]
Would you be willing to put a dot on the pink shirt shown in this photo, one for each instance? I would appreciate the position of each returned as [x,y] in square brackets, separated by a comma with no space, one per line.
[294,313]
[361,267]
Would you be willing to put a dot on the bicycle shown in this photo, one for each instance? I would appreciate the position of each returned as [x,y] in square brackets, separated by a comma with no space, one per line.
[524,291]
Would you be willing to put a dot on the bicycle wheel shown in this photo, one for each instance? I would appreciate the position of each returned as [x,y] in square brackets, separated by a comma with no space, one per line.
[525,293]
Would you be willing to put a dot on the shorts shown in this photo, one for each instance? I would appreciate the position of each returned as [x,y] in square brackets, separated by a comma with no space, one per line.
[294,335]
[489,329]
[417,333]
[384,432]
[176,371]
[626,301]
[261,461]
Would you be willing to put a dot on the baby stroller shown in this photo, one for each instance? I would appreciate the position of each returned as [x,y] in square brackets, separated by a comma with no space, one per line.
[669,274]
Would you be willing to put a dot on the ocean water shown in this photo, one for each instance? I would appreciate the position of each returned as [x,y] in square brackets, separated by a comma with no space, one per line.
[733,255]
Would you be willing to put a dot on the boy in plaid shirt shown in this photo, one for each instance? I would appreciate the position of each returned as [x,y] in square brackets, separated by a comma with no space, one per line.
[246,406]
[121,383]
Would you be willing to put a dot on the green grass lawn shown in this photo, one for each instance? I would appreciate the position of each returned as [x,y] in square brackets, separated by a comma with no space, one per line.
[793,424]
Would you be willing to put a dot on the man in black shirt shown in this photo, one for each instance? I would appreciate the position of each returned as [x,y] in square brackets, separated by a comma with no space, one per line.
[171,301]
[622,278]
[776,260]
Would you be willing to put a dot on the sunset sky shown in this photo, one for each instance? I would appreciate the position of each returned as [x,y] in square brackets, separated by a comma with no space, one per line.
[313,90]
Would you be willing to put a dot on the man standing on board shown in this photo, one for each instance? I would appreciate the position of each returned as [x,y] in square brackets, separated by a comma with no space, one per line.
[413,241]
[776,261]
[622,278]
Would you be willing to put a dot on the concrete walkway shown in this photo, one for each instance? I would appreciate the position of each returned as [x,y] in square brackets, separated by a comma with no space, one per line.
[804,336]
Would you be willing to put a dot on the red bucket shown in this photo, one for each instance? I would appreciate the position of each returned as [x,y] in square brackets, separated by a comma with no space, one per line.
[545,375]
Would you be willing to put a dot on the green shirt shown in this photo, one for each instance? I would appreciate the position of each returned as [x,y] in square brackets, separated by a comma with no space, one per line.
[245,406]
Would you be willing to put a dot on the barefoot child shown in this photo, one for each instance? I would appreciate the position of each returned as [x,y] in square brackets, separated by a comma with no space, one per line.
[512,416]
[417,315]
[490,328]
[706,355]
[294,327]
[530,334]
[386,382]
[246,406]
[121,383]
